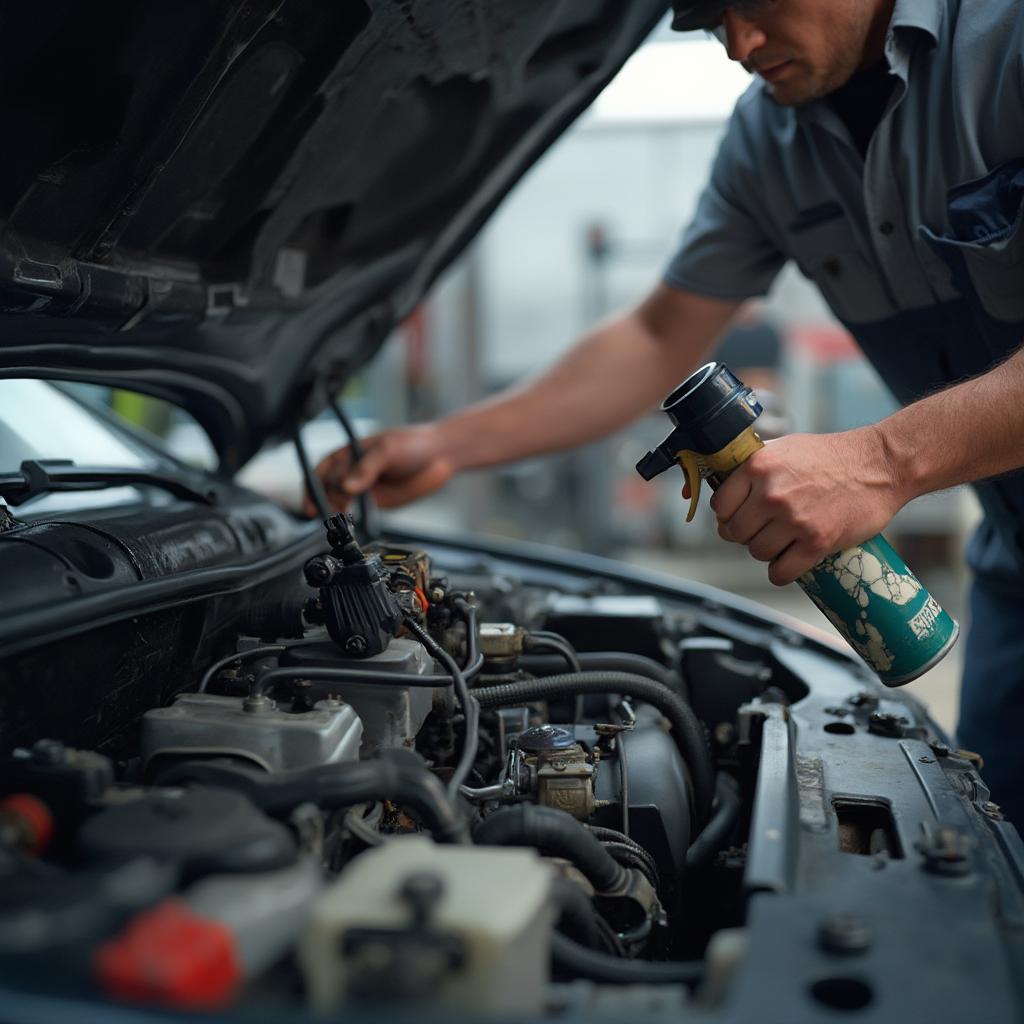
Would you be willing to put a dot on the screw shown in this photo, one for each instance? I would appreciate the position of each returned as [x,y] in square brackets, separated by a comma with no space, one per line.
[925,759]
[255,705]
[993,810]
[844,933]
[436,595]
[725,733]
[356,645]
[945,851]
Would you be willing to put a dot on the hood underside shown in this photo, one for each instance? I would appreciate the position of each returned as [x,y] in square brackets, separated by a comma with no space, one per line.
[230,205]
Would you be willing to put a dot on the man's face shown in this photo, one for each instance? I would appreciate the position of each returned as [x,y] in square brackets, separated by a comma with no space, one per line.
[804,49]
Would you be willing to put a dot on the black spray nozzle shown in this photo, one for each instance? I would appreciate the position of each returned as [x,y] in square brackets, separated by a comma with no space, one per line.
[710,409]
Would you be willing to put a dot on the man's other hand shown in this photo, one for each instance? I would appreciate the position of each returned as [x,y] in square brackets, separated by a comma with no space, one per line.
[399,466]
[806,496]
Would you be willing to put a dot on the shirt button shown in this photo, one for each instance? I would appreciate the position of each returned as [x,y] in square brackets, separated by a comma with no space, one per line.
[886,227]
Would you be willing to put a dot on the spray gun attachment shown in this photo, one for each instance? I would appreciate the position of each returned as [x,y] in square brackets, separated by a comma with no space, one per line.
[866,591]
[713,412]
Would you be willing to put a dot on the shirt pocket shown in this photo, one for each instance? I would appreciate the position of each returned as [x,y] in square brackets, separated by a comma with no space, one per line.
[824,246]
[984,247]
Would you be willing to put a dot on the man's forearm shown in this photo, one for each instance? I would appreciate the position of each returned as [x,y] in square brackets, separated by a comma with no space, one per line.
[617,372]
[967,432]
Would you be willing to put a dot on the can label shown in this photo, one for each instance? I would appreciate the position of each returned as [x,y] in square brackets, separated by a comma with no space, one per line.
[882,610]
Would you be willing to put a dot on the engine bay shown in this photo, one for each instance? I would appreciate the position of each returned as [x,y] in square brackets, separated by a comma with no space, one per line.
[430,785]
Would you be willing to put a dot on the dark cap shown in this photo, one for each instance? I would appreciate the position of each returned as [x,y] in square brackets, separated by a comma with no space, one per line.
[690,16]
[711,408]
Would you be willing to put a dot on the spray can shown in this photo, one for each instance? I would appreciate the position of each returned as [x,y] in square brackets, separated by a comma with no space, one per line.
[867,592]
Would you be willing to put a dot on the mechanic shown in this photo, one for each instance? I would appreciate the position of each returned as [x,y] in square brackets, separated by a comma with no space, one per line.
[881,147]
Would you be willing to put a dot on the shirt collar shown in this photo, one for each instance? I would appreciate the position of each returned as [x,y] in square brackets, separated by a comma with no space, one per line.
[925,15]
[920,15]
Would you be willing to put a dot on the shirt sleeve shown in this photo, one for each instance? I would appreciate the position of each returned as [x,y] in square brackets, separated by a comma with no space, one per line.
[726,252]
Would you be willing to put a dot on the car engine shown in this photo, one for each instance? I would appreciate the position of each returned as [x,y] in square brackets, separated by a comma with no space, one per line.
[409,786]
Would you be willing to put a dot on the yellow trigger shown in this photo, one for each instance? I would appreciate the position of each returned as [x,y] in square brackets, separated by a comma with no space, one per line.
[691,471]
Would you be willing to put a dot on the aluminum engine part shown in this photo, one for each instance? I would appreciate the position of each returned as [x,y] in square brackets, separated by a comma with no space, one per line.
[204,724]
[413,920]
[392,714]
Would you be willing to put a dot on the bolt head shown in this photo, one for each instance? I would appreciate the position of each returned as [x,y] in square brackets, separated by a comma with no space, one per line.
[319,571]
[257,705]
[725,733]
[844,933]
[356,645]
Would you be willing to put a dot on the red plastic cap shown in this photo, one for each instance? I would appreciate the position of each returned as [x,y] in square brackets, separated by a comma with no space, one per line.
[31,818]
[171,957]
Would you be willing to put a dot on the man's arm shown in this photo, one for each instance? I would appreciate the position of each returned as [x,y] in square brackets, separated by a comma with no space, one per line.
[613,375]
[617,372]
[806,496]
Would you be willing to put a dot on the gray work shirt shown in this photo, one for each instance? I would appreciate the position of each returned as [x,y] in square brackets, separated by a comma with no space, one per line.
[918,247]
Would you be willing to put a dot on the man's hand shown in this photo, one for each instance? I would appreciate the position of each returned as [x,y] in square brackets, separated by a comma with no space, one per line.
[806,496]
[399,466]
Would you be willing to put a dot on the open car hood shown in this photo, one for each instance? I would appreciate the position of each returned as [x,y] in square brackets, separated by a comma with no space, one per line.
[229,205]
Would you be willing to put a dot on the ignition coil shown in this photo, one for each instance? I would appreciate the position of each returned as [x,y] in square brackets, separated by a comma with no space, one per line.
[360,611]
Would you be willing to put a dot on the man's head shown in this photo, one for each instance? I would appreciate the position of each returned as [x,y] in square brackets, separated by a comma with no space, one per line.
[804,49]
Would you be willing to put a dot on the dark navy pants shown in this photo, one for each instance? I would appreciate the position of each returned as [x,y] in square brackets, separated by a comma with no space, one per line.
[992,698]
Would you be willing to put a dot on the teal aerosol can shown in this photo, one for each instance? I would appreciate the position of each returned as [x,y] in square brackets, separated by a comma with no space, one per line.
[867,592]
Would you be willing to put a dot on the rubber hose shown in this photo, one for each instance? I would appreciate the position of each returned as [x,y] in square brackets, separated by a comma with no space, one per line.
[555,834]
[397,775]
[717,830]
[611,835]
[267,679]
[605,661]
[469,615]
[580,962]
[562,651]
[240,657]
[469,704]
[686,729]
[577,917]
[646,867]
